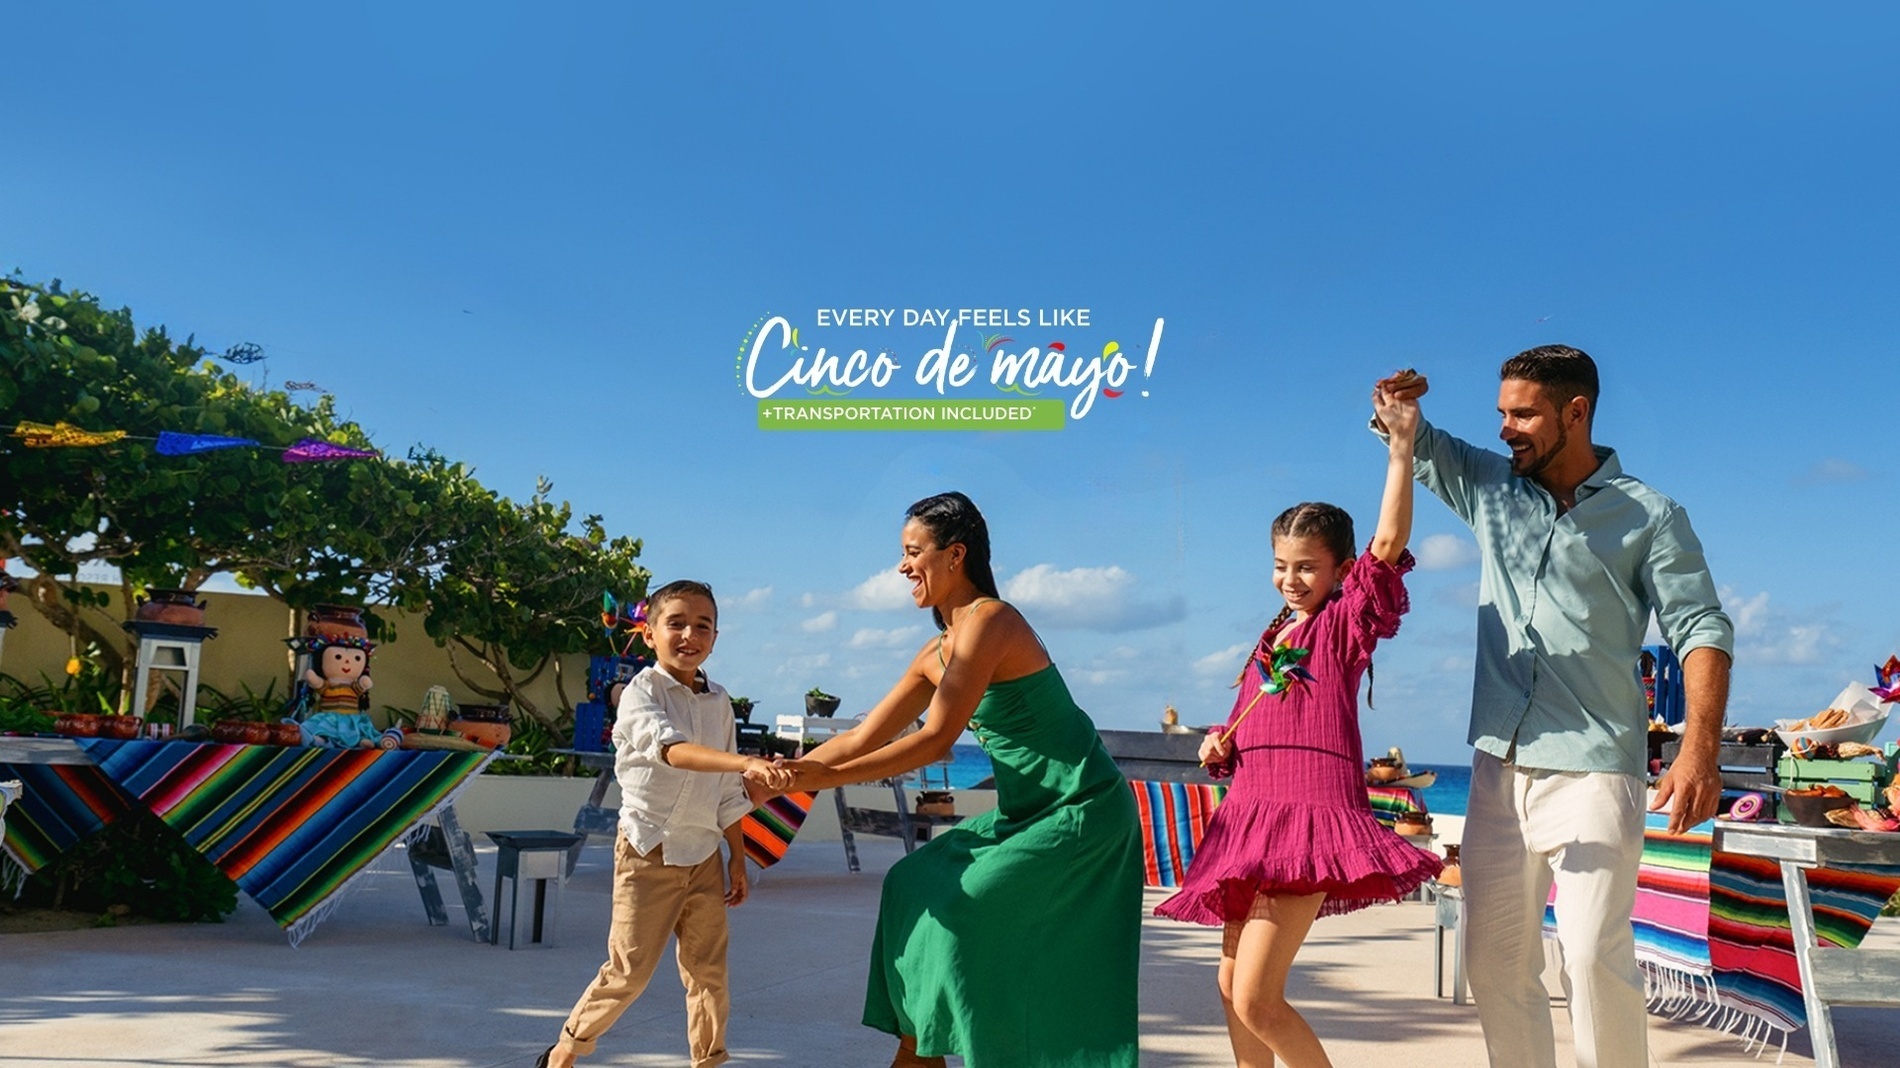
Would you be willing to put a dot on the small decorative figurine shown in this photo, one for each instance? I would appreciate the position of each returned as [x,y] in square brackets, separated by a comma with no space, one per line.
[339,679]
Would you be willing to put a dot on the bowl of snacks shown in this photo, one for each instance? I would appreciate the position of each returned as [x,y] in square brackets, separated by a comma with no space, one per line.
[1809,806]
[1833,726]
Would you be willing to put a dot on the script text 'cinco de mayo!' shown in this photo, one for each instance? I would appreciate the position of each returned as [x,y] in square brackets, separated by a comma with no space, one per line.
[944,368]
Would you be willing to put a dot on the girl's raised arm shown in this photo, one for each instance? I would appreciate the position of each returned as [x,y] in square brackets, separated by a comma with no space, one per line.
[1395,508]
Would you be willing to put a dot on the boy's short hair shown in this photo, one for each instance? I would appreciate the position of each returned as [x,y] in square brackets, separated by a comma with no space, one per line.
[681,588]
[1559,370]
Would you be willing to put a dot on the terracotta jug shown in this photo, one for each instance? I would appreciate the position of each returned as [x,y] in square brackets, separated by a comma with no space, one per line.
[334,621]
[179,607]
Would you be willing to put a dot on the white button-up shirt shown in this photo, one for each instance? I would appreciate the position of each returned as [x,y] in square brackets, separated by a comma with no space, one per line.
[660,804]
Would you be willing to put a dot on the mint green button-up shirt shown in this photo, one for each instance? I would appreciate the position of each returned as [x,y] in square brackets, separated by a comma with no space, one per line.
[1564,602]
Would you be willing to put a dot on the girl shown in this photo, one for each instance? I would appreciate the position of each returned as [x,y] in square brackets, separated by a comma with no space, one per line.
[1295,838]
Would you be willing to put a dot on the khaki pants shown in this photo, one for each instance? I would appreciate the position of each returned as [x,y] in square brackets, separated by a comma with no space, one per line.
[651,902]
[1524,829]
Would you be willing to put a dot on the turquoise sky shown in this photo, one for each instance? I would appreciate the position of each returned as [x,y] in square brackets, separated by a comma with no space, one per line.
[535,237]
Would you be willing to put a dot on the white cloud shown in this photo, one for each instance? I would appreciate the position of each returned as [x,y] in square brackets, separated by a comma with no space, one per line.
[803,667]
[1748,613]
[754,598]
[1223,664]
[1087,598]
[806,600]
[894,638]
[1808,643]
[1832,471]
[1463,595]
[1443,552]
[1766,635]
[1114,667]
[886,591]
[820,623]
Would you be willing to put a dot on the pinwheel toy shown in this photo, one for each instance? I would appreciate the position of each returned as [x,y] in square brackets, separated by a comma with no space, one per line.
[1278,673]
[1889,676]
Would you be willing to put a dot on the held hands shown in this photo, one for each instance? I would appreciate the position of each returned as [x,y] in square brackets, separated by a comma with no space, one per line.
[1403,385]
[757,795]
[1395,402]
[802,773]
[762,772]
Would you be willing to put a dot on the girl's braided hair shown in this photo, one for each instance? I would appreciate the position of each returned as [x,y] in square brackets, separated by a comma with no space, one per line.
[1330,526]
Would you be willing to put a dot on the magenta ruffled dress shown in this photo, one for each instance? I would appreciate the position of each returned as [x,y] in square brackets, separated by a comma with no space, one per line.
[1295,820]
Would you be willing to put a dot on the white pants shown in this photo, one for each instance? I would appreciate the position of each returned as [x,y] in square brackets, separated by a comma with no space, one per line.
[1525,827]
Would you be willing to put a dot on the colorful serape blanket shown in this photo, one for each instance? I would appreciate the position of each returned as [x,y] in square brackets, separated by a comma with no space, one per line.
[1713,935]
[292,826]
[769,829]
[1391,802]
[63,805]
[1751,945]
[1174,818]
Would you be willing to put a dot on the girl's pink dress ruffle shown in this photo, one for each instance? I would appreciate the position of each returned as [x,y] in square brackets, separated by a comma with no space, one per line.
[1296,820]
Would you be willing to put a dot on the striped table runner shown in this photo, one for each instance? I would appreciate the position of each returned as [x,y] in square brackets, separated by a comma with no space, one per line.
[1174,818]
[1391,802]
[292,826]
[1713,936]
[63,804]
[1751,946]
[769,829]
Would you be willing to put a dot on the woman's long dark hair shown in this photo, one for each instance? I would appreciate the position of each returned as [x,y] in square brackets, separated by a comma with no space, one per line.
[952,519]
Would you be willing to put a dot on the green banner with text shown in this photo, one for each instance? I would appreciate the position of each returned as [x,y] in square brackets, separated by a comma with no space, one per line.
[911,415]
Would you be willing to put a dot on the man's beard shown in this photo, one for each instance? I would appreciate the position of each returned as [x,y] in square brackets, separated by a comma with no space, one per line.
[1532,464]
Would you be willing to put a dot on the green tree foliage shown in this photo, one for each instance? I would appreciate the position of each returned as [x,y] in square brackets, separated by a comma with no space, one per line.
[508,585]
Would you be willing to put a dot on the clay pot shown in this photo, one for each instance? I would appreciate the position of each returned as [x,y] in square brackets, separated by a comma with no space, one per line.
[485,733]
[1453,874]
[334,621]
[124,728]
[1412,825]
[77,724]
[179,607]
[1384,773]
[822,706]
[229,731]
[285,734]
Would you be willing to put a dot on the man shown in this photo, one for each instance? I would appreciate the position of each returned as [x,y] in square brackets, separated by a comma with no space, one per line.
[1577,555]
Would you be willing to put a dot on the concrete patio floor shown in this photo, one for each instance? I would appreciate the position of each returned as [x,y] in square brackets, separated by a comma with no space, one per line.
[376,985]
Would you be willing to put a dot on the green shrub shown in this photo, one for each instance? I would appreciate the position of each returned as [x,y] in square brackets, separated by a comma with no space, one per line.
[138,863]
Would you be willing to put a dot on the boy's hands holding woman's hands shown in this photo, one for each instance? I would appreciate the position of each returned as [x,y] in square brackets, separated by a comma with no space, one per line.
[772,777]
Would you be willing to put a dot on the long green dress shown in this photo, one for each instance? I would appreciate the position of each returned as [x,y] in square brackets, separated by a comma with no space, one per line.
[1014,939]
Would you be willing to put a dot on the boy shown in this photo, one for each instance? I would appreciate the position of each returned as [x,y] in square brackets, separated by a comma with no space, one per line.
[673,722]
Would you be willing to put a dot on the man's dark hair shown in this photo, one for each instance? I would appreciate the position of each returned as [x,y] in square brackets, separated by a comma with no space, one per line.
[1559,370]
[680,588]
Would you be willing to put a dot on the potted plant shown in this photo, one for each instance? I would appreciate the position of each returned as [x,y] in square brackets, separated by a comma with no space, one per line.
[819,703]
[742,709]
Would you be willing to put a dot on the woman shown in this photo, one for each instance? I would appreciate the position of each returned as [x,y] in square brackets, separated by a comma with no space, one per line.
[1013,939]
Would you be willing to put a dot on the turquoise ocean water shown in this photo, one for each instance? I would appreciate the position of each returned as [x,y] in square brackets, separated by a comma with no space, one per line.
[969,765]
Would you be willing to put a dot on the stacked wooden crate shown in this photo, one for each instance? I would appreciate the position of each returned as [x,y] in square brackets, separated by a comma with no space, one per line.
[1862,779]
[1746,767]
